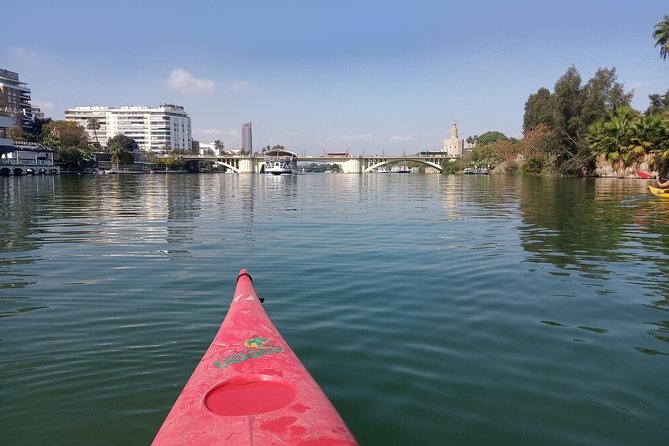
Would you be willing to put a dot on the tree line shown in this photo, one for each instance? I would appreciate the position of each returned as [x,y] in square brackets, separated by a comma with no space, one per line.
[577,125]
[566,131]
[72,147]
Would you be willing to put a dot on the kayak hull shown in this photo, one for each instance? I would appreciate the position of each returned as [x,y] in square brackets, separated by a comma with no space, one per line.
[662,193]
[251,389]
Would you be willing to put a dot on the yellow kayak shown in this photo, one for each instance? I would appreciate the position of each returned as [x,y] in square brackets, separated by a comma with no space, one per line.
[662,193]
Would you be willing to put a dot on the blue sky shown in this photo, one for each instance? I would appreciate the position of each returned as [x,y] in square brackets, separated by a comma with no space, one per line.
[314,75]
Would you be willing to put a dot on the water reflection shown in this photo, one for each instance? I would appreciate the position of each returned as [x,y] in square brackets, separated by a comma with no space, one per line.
[531,289]
[603,230]
[585,225]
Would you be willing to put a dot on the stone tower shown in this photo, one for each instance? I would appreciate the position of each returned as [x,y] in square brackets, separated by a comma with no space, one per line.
[454,146]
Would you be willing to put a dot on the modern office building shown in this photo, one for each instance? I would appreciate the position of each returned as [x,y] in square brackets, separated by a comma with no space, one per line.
[160,129]
[15,100]
[454,146]
[247,138]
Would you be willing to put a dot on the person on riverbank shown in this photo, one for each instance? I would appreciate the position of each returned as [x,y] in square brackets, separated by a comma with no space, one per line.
[662,184]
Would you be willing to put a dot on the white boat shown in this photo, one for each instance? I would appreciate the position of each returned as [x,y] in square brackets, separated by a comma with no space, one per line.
[280,162]
[476,171]
[383,170]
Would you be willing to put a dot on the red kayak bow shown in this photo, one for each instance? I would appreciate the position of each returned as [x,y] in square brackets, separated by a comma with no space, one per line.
[251,389]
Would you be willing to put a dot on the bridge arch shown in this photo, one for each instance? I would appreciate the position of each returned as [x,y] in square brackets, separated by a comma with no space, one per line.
[376,165]
[227,166]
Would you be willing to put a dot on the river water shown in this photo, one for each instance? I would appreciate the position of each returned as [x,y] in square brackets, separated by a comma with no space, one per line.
[432,309]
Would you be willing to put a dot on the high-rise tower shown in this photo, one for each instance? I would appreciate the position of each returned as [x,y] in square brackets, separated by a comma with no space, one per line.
[15,99]
[247,138]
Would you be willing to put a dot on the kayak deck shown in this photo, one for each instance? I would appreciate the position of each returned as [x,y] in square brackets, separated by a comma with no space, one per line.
[662,193]
[251,389]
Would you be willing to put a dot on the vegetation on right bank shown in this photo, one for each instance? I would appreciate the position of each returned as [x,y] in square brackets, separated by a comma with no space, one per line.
[580,128]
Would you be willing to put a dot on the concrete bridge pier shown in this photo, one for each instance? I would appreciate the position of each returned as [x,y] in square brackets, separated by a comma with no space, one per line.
[352,165]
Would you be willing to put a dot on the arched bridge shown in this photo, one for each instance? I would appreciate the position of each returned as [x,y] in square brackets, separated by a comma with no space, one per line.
[349,164]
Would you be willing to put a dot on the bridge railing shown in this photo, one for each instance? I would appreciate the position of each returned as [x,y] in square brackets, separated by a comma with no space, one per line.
[23,162]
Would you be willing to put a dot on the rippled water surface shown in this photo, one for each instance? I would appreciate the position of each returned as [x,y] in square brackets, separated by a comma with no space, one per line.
[432,310]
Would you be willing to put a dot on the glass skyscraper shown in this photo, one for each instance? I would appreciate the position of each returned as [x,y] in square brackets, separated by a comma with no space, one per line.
[247,139]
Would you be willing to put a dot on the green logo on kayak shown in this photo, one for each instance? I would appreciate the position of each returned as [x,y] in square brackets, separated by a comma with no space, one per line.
[255,347]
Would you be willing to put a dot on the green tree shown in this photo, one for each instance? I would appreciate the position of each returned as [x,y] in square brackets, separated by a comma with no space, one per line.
[652,133]
[174,161]
[37,128]
[122,147]
[625,137]
[16,132]
[120,154]
[50,141]
[71,156]
[540,148]
[658,104]
[219,146]
[484,154]
[94,124]
[67,134]
[128,143]
[575,108]
[616,137]
[490,137]
[567,106]
[602,95]
[64,137]
[538,110]
[661,36]
[449,167]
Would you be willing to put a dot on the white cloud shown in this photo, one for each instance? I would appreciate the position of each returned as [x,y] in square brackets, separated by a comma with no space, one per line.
[45,106]
[239,86]
[181,80]
[24,53]
[357,138]
[213,134]
[399,138]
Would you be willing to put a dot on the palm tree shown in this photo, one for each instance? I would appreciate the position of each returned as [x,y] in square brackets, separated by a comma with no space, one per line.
[219,146]
[661,36]
[120,155]
[94,124]
[615,137]
[116,151]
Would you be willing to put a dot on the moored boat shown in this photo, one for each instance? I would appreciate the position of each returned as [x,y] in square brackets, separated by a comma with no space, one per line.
[476,171]
[251,389]
[662,193]
[280,162]
[400,169]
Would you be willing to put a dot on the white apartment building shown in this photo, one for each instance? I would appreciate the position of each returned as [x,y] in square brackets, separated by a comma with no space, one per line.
[160,129]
